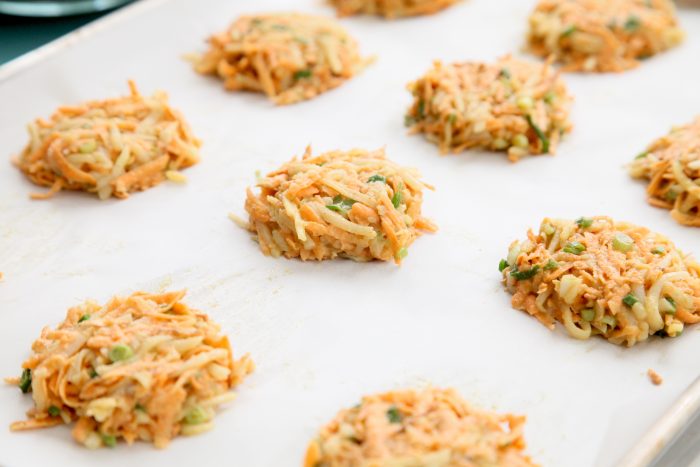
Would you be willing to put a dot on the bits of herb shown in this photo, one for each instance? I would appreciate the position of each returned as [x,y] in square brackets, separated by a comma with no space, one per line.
[341,205]
[120,352]
[93,373]
[584,222]
[551,264]
[502,265]
[520,141]
[632,24]
[630,300]
[394,415]
[642,155]
[397,199]
[671,308]
[588,314]
[540,134]
[609,320]
[569,31]
[109,440]
[408,120]
[658,250]
[302,74]
[25,381]
[622,242]
[402,253]
[549,97]
[421,108]
[504,73]
[376,178]
[84,318]
[54,411]
[575,248]
[196,416]
[88,146]
[525,275]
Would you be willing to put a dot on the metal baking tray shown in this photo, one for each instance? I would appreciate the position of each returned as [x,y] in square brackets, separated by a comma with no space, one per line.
[324,334]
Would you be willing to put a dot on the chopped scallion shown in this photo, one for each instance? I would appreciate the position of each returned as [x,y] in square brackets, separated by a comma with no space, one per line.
[376,178]
[609,320]
[569,31]
[196,416]
[632,24]
[540,134]
[584,222]
[525,275]
[394,415]
[402,253]
[397,199]
[341,205]
[302,74]
[588,314]
[85,317]
[54,411]
[109,440]
[25,381]
[622,242]
[120,352]
[575,248]
[551,264]
[630,300]
[502,265]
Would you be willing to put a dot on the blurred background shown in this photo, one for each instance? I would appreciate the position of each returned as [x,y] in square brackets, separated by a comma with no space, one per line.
[28,24]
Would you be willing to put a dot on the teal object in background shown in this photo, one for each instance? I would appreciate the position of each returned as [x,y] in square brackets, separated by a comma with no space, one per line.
[19,35]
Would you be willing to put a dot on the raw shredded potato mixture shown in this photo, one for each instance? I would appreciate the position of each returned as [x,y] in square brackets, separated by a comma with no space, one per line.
[355,204]
[390,8]
[672,166]
[289,57]
[511,105]
[603,35]
[144,367]
[429,428]
[601,277]
[110,147]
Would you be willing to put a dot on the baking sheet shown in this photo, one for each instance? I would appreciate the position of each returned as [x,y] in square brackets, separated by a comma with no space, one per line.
[324,334]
